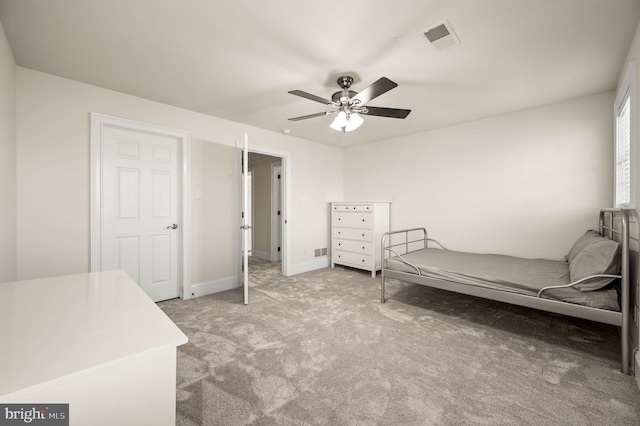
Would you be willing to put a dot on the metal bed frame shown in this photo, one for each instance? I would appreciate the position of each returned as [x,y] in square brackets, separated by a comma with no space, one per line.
[607,228]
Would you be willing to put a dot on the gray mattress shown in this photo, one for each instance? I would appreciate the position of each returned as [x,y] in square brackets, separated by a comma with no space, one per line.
[505,273]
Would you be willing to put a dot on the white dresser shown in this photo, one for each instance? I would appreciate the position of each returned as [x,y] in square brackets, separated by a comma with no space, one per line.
[356,233]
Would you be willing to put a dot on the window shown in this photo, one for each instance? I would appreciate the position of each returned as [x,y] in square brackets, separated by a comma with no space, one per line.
[625,135]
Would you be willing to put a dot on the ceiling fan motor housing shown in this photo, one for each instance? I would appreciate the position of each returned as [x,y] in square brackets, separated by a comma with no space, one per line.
[340,97]
[344,96]
[345,81]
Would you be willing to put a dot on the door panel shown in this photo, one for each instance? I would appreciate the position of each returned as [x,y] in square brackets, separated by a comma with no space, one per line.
[245,219]
[140,190]
[129,256]
[161,195]
[128,193]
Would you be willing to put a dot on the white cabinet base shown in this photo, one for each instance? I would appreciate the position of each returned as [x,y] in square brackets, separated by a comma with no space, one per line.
[137,391]
[94,341]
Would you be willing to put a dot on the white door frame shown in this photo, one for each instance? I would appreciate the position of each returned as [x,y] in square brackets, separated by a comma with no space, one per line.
[285,156]
[98,122]
[276,191]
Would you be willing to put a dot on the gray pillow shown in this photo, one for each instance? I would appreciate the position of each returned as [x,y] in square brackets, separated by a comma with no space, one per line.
[581,243]
[600,256]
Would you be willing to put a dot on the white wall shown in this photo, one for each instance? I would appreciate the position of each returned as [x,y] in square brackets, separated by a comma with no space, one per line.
[527,183]
[7,161]
[53,178]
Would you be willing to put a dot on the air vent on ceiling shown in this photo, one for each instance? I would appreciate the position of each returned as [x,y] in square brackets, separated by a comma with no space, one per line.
[442,36]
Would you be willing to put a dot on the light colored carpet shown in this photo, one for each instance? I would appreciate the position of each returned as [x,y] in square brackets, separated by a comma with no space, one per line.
[320,349]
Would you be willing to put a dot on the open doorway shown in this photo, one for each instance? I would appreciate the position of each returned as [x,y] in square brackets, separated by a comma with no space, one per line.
[284,182]
[265,212]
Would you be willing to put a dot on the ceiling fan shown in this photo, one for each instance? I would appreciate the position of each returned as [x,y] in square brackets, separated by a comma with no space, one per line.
[349,104]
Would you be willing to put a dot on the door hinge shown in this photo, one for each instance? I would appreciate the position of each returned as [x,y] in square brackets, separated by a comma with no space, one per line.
[278,248]
[278,176]
[278,212]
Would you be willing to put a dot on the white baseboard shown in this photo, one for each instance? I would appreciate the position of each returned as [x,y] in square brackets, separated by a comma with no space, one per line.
[229,283]
[216,286]
[299,268]
[263,255]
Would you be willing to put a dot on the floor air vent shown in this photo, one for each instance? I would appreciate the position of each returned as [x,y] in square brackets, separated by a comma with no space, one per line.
[320,252]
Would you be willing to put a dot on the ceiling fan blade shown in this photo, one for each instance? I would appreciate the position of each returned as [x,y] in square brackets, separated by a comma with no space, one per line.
[387,112]
[304,117]
[310,97]
[377,88]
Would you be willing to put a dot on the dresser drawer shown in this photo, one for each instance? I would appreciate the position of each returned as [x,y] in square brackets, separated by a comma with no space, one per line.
[353,246]
[352,208]
[353,220]
[355,259]
[353,234]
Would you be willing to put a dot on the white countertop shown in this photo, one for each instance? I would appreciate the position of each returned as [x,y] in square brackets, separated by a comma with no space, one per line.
[53,327]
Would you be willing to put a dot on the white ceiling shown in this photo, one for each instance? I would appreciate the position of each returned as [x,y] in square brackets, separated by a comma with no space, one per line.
[237,59]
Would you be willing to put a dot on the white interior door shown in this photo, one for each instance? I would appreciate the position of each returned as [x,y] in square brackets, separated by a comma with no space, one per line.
[140,223]
[248,212]
[246,227]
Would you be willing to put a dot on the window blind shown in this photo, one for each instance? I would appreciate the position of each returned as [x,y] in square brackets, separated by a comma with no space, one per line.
[623,153]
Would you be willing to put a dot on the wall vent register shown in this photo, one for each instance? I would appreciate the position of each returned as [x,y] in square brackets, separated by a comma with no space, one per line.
[356,233]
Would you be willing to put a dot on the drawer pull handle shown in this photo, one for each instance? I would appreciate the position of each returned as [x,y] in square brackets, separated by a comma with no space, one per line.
[363,220]
[362,248]
[362,234]
[363,260]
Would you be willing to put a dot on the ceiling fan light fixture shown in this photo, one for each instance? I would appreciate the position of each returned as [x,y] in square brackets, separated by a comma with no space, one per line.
[339,122]
[353,122]
[347,104]
[346,123]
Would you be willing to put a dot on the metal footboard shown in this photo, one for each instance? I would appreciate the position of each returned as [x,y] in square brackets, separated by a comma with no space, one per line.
[404,246]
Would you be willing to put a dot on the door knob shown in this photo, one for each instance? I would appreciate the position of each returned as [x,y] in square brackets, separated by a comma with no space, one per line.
[174,226]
